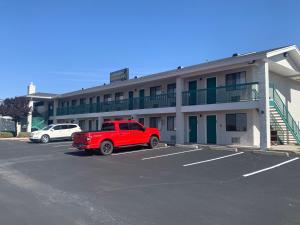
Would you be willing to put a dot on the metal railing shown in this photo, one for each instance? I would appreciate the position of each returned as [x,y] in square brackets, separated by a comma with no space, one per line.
[278,104]
[157,101]
[224,94]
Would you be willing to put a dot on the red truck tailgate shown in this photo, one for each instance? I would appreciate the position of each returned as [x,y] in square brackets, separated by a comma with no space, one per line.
[80,138]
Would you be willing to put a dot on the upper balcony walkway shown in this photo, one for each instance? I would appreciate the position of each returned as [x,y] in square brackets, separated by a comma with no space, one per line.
[226,94]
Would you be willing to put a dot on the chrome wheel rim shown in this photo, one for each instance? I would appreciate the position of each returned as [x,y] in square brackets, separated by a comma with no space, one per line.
[107,148]
[45,139]
[154,142]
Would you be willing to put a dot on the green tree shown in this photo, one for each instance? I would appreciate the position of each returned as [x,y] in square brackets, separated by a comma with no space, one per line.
[17,108]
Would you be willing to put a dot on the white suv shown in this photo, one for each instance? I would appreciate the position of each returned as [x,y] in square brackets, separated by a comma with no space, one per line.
[55,132]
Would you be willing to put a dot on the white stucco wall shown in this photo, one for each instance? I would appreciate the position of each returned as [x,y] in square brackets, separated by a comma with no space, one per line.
[247,138]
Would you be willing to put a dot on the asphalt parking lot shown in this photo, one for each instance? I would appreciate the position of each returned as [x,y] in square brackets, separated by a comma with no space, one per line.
[57,184]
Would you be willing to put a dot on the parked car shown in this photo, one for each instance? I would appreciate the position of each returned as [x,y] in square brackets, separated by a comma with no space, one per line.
[115,134]
[55,132]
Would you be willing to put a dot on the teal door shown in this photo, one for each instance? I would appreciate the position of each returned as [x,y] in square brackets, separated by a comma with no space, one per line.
[211,96]
[130,98]
[193,129]
[141,98]
[211,126]
[193,92]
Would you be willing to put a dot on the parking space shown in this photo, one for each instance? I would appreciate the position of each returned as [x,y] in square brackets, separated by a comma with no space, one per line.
[168,185]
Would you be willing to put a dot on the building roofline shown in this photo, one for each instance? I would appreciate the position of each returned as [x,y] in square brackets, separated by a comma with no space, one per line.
[229,61]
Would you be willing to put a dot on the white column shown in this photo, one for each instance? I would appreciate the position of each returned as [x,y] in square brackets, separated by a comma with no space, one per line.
[100,121]
[179,114]
[29,117]
[264,109]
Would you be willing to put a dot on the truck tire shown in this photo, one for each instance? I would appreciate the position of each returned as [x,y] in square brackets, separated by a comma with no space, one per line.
[106,148]
[153,142]
[45,138]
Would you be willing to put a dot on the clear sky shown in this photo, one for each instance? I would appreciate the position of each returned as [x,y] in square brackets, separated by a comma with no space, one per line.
[64,45]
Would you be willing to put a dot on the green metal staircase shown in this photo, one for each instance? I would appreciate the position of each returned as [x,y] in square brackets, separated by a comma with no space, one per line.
[281,120]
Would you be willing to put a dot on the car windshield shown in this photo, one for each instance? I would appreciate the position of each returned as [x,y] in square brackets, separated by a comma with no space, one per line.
[47,128]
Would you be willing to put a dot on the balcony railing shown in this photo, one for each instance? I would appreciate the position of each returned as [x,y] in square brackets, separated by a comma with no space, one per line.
[225,94]
[157,101]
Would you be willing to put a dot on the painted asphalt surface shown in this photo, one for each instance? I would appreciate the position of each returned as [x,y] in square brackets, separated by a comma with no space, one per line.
[56,184]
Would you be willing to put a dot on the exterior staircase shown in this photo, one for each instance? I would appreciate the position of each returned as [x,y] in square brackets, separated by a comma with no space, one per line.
[284,129]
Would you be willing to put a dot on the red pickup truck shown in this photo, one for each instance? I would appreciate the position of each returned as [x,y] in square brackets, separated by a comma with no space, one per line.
[116,134]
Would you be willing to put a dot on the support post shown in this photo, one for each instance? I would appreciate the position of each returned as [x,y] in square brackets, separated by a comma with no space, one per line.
[179,114]
[264,109]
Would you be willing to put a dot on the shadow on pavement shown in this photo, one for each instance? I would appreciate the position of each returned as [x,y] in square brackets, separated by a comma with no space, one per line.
[83,153]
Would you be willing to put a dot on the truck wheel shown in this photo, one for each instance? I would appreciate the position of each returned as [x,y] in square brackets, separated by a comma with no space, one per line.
[106,148]
[153,142]
[45,138]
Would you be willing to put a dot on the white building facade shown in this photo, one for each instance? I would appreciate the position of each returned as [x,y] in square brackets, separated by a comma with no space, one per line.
[249,100]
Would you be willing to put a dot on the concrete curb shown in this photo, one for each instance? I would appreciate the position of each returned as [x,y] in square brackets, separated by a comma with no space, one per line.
[163,145]
[13,139]
[268,152]
[223,149]
[186,146]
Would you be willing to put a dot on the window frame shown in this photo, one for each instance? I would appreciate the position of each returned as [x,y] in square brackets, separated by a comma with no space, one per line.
[237,126]
[172,126]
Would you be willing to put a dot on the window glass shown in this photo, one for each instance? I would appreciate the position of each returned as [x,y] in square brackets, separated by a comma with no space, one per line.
[72,126]
[155,91]
[119,96]
[82,124]
[64,127]
[171,88]
[48,127]
[142,121]
[171,123]
[108,127]
[74,102]
[135,126]
[236,122]
[107,98]
[90,125]
[234,79]
[82,101]
[57,127]
[155,122]
[124,126]
[241,122]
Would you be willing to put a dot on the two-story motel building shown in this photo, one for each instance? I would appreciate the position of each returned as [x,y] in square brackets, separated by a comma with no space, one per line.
[251,99]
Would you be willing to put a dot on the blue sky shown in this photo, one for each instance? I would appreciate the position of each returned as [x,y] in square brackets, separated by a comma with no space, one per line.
[66,45]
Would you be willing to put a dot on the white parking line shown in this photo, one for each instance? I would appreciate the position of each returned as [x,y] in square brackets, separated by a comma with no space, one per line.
[144,150]
[271,167]
[209,160]
[176,153]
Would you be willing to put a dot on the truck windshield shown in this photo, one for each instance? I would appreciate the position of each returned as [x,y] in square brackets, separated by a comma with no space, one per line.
[108,127]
